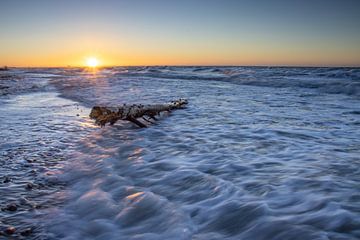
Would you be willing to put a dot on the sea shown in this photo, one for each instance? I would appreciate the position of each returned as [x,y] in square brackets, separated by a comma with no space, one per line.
[258,153]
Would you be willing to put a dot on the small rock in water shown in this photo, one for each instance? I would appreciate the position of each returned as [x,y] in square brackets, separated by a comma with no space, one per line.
[11,207]
[26,232]
[29,186]
[10,230]
[6,179]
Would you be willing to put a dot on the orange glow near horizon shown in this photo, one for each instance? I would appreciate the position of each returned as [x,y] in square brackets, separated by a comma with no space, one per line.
[125,51]
[132,56]
[102,53]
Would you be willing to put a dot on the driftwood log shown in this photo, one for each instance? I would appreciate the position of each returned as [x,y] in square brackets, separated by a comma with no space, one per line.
[104,115]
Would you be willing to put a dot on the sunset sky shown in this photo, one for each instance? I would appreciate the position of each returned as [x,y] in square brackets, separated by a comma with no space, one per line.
[187,32]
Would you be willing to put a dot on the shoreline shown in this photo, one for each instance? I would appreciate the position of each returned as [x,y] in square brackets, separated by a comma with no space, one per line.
[30,169]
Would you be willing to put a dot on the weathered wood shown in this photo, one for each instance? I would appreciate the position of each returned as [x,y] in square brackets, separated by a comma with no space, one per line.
[104,115]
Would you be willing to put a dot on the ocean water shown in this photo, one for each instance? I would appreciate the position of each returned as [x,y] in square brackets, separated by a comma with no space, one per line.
[259,153]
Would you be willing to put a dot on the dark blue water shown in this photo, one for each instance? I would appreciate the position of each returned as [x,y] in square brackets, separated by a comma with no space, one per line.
[259,153]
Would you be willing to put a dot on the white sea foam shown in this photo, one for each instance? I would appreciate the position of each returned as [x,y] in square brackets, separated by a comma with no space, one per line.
[260,153]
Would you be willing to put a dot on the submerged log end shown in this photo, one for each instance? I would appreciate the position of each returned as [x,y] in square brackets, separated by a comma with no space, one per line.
[95,112]
[102,115]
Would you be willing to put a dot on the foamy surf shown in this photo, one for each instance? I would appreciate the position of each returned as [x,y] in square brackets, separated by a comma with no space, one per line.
[270,160]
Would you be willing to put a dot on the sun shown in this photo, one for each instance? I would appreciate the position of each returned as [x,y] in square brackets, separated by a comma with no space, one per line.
[92,62]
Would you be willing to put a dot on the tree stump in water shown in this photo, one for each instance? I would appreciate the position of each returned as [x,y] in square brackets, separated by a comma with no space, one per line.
[104,115]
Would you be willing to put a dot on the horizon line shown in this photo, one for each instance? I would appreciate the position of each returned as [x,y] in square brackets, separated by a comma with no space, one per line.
[195,65]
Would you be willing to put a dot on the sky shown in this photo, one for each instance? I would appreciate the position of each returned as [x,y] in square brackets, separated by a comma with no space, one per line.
[54,33]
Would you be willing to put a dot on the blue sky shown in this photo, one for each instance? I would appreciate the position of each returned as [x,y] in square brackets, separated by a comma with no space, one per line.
[197,32]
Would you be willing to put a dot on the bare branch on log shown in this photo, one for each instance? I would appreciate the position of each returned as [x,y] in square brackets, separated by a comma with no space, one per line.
[104,115]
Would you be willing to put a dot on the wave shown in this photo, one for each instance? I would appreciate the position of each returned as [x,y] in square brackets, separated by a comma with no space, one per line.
[326,80]
[237,160]
[18,81]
